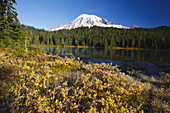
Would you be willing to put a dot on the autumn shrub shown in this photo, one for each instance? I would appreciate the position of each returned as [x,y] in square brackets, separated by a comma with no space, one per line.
[47,83]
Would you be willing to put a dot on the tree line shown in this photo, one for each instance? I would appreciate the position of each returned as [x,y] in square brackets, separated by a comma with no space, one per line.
[104,37]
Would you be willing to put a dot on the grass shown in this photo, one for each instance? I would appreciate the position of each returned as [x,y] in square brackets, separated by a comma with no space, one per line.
[130,48]
[47,83]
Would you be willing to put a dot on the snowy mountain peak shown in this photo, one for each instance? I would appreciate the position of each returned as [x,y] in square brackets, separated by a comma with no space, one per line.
[134,26]
[87,21]
[86,16]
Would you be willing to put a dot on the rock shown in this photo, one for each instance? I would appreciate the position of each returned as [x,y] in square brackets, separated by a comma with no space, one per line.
[69,55]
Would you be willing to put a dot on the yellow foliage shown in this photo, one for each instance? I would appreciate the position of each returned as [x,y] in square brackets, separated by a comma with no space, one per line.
[67,85]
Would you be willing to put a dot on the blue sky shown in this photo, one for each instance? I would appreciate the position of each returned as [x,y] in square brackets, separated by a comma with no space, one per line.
[45,14]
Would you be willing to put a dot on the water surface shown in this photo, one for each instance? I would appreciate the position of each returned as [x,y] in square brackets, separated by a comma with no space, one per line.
[151,56]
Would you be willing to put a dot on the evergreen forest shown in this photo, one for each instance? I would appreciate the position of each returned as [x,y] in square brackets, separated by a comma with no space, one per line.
[157,38]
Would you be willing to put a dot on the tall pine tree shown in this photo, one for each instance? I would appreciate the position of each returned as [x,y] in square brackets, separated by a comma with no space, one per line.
[10,30]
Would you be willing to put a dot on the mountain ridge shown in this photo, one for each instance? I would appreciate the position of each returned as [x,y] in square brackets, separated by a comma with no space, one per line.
[85,20]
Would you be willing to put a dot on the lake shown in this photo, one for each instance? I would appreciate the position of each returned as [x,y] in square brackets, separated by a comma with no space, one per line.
[151,56]
[155,61]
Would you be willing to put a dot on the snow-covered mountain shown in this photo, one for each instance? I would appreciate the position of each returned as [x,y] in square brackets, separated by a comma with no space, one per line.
[89,21]
[133,26]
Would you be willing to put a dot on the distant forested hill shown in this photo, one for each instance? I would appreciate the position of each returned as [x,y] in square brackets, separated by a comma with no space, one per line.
[104,37]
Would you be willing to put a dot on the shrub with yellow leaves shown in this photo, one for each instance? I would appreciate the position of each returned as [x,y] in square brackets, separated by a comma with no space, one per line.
[49,83]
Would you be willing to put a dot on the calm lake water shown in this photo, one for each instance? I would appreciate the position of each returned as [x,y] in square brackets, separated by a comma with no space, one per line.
[151,56]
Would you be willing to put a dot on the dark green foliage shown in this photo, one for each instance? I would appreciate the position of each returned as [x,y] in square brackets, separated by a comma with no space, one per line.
[104,37]
[10,30]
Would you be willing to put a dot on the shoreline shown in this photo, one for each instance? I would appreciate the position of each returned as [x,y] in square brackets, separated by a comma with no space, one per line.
[129,48]
[119,48]
[150,68]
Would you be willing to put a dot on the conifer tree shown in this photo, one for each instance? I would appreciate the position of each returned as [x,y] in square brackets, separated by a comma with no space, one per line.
[9,25]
